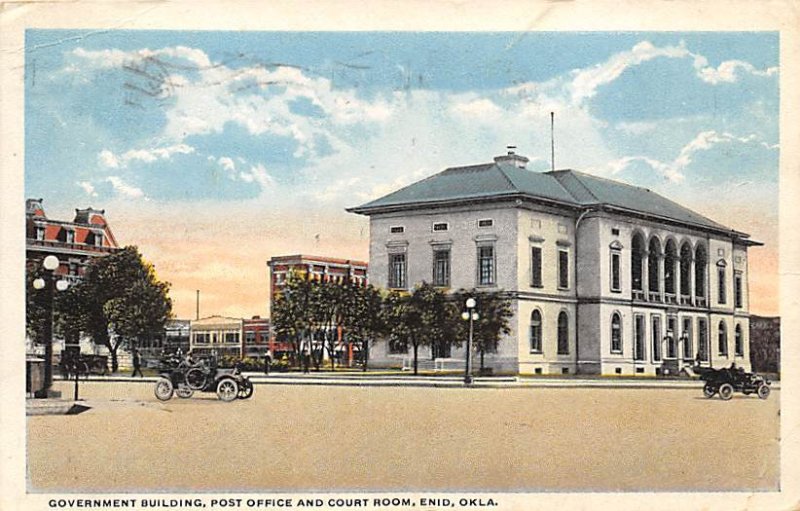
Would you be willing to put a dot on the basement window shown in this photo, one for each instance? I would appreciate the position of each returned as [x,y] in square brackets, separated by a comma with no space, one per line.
[440,226]
[538,370]
[618,370]
[487,222]
[397,229]
[640,370]
[564,370]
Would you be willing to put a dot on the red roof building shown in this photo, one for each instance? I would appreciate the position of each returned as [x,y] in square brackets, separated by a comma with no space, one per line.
[74,243]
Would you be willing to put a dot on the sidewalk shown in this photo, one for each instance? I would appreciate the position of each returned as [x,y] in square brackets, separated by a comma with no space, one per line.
[393,379]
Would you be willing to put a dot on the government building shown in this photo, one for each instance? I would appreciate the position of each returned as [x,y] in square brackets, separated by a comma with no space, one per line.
[603,277]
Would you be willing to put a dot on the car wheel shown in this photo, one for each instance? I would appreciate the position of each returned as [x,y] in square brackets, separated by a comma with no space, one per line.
[726,391]
[227,389]
[164,389]
[184,392]
[763,391]
[245,389]
[709,390]
[195,378]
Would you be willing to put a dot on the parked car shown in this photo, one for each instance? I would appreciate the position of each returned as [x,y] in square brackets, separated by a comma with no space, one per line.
[187,377]
[728,380]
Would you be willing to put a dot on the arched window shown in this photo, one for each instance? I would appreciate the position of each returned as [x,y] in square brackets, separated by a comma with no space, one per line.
[700,261]
[563,334]
[670,257]
[637,255]
[653,278]
[722,339]
[536,331]
[616,333]
[686,273]
[739,341]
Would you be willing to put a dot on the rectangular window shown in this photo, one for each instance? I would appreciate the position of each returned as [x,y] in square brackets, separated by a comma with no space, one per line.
[98,239]
[615,232]
[488,222]
[655,334]
[440,226]
[615,283]
[638,337]
[397,229]
[39,233]
[737,291]
[686,339]
[486,265]
[536,266]
[250,337]
[441,267]
[397,271]
[672,332]
[721,285]
[70,236]
[231,337]
[563,269]
[702,339]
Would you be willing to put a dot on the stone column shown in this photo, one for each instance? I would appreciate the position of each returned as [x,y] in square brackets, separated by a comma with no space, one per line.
[646,274]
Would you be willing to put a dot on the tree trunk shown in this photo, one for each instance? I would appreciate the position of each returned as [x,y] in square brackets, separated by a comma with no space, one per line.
[112,349]
[415,358]
[482,359]
[365,349]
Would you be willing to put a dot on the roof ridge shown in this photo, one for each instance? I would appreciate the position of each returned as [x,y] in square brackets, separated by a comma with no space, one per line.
[581,183]
[623,183]
[507,178]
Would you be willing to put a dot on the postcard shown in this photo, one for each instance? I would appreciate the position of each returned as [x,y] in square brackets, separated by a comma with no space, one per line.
[344,256]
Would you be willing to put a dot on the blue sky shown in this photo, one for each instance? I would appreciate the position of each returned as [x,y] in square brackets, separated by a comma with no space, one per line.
[149,122]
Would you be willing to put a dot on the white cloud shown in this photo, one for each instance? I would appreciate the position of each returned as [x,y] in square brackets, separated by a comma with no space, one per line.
[585,82]
[88,188]
[674,170]
[227,163]
[728,71]
[257,174]
[110,160]
[124,188]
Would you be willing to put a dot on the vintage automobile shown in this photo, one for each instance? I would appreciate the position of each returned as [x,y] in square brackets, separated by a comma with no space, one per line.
[186,377]
[728,380]
[75,363]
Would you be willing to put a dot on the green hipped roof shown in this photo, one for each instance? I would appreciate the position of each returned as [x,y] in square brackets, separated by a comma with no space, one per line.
[565,187]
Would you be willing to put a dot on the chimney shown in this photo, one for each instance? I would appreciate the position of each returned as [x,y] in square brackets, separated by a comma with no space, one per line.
[512,158]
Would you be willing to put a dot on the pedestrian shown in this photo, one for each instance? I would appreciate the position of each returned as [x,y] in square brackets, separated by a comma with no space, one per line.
[267,361]
[306,361]
[137,364]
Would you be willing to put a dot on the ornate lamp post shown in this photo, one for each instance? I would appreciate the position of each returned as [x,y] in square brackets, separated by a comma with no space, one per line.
[50,264]
[471,316]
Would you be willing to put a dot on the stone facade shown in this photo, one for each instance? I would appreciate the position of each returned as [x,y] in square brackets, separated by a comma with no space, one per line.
[594,289]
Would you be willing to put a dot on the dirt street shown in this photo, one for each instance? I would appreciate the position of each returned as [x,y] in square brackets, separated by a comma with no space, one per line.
[305,438]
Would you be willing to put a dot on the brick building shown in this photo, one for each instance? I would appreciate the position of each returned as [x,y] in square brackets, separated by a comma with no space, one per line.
[323,269]
[88,235]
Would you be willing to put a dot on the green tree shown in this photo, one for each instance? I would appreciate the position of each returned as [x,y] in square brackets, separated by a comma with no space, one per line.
[362,319]
[424,318]
[494,315]
[121,295]
[290,313]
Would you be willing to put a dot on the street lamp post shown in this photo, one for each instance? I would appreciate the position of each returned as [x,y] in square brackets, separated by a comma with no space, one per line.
[50,264]
[472,316]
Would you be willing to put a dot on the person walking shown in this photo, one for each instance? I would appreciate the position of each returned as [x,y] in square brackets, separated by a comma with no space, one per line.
[267,361]
[306,361]
[137,364]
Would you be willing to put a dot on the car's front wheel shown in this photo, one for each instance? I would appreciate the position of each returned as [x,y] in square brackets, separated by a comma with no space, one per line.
[708,390]
[763,391]
[227,389]
[164,389]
